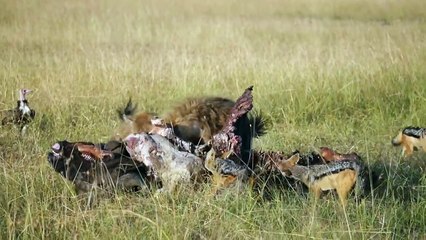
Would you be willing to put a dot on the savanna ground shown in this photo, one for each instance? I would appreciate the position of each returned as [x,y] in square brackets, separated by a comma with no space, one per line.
[346,74]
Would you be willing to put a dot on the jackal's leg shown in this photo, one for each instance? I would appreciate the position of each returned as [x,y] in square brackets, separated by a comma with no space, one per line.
[407,149]
[216,183]
[345,182]
[316,191]
[343,192]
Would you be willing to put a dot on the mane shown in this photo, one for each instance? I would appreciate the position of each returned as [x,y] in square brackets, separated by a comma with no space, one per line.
[416,132]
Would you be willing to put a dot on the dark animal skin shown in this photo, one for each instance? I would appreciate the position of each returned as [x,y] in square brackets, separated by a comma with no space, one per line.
[86,171]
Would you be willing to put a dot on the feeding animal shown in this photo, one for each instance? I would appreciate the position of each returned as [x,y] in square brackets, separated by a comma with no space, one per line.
[90,165]
[173,161]
[196,120]
[226,173]
[21,115]
[222,161]
[341,176]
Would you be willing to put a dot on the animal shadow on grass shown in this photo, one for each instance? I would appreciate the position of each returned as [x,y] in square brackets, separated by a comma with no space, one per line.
[403,181]
[273,182]
[384,179]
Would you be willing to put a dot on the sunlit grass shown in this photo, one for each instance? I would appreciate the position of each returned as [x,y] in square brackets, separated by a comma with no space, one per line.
[346,74]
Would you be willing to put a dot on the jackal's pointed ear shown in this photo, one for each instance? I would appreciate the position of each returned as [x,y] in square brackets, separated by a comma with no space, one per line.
[210,162]
[285,164]
[293,160]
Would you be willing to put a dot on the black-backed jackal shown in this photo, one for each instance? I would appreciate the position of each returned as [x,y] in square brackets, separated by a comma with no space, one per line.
[340,176]
[226,174]
[411,139]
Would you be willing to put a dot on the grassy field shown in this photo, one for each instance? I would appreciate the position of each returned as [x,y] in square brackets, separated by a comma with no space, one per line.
[346,74]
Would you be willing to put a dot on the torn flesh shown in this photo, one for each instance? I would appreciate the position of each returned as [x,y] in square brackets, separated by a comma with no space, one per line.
[164,160]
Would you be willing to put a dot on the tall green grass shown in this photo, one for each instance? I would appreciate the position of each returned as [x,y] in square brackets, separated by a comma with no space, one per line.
[346,74]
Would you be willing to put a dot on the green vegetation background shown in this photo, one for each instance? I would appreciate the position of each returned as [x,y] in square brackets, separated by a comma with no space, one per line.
[345,74]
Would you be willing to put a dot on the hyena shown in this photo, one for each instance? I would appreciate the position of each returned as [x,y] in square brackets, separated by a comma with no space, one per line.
[197,120]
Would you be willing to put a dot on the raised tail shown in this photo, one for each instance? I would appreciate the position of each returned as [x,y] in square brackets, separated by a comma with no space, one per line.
[128,111]
[258,124]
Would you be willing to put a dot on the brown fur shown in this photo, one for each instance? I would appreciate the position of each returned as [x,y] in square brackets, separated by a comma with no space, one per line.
[409,144]
[342,182]
[199,118]
[141,122]
[196,120]
[265,159]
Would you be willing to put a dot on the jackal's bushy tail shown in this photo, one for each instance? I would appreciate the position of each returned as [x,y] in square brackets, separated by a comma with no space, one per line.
[128,111]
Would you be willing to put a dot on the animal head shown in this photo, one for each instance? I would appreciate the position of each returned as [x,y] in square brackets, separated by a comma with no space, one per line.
[23,94]
[132,142]
[397,140]
[226,173]
[65,155]
[143,122]
[285,165]
[57,157]
[407,132]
